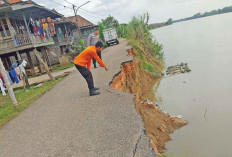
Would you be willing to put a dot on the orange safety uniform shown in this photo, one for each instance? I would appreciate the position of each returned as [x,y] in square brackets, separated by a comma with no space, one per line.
[84,58]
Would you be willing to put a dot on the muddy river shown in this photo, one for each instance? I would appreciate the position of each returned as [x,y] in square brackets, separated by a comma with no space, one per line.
[203,96]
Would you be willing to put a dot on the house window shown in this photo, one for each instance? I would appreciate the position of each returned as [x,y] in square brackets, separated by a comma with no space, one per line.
[4,29]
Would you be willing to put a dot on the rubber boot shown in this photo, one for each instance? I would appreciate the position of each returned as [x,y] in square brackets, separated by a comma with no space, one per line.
[95,88]
[92,92]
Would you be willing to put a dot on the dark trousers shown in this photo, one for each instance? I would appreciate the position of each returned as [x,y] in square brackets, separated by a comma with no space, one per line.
[94,61]
[87,75]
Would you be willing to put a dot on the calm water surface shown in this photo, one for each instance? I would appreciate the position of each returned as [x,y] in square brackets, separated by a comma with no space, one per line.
[206,45]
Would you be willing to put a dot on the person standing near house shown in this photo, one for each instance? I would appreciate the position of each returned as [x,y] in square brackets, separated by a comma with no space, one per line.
[83,59]
[93,38]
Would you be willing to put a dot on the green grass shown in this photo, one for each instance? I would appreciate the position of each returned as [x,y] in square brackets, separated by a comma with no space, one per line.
[148,67]
[24,98]
[57,67]
[164,155]
[187,69]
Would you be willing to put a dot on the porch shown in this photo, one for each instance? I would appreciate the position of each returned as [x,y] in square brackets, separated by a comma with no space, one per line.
[24,26]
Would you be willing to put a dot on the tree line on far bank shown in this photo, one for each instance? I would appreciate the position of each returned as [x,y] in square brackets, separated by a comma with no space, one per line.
[211,13]
[196,16]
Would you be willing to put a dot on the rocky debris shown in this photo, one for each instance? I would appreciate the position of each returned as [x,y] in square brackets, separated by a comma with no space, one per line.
[178,69]
[163,124]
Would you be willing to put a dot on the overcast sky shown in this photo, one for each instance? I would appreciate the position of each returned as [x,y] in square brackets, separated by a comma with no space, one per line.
[124,10]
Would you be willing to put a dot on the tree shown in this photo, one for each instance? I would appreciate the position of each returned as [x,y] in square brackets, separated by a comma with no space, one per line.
[169,22]
[110,22]
[198,15]
[121,30]
[101,27]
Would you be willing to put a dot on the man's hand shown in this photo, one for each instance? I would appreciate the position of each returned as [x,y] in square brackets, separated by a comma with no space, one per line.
[106,69]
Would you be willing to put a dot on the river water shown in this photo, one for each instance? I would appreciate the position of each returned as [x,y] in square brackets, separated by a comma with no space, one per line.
[203,96]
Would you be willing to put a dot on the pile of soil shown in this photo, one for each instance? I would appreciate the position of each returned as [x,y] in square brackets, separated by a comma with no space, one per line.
[159,125]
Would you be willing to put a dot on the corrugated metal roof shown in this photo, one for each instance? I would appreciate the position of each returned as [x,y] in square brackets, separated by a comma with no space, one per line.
[25,5]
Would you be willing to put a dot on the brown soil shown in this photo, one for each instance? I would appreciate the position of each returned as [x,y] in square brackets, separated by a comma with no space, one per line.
[132,79]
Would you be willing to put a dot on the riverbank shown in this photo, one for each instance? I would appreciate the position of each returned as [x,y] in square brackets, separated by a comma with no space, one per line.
[132,79]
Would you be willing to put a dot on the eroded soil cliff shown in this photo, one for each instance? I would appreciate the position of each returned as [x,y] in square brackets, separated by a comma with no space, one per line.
[132,79]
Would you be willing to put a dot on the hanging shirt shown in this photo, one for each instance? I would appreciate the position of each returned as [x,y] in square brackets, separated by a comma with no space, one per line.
[45,25]
[13,76]
[31,27]
[40,30]
[22,67]
[52,28]
[14,65]
[35,30]
[37,23]
[9,78]
[18,73]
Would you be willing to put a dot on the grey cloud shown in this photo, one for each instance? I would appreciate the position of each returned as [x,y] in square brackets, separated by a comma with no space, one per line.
[124,10]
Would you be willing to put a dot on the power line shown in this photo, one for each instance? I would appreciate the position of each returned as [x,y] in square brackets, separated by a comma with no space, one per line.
[91,12]
[86,11]
[59,4]
[69,2]
[90,15]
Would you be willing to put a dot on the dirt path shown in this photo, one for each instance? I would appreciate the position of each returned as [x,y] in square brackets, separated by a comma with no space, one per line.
[67,122]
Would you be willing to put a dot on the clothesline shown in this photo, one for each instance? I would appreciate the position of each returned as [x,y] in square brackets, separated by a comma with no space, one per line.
[14,75]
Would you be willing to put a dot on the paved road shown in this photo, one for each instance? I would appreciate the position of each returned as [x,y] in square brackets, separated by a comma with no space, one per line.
[66,122]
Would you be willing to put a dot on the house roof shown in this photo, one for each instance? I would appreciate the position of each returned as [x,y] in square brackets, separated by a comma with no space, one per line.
[9,1]
[29,8]
[81,22]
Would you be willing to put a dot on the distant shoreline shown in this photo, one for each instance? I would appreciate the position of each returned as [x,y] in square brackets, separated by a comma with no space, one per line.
[189,18]
[196,16]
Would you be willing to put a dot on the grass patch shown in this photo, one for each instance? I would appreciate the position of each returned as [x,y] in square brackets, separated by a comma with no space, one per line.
[187,69]
[148,67]
[164,155]
[57,67]
[24,98]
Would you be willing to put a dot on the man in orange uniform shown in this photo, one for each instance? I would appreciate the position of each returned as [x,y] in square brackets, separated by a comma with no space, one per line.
[83,59]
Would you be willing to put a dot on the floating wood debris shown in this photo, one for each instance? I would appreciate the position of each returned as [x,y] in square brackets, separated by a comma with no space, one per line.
[177,69]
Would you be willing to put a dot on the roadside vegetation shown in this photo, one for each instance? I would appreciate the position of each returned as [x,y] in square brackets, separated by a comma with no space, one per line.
[148,50]
[24,97]
[57,67]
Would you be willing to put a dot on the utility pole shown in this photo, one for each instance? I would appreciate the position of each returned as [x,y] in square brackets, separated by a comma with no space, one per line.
[8,86]
[75,13]
[78,29]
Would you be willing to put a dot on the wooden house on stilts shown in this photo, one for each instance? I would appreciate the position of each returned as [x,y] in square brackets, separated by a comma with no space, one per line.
[25,26]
